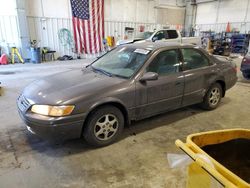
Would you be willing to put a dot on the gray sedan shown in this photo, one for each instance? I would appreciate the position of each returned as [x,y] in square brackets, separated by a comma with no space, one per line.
[131,82]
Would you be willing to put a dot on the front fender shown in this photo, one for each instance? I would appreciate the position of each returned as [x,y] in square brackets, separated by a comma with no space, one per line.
[111,101]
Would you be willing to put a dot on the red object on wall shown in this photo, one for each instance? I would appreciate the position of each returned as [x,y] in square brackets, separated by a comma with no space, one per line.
[4,59]
[228,29]
[141,28]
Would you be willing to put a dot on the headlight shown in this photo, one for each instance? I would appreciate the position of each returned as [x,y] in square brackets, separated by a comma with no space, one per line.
[52,110]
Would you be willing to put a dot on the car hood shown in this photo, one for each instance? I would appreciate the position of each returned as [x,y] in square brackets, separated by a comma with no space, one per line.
[68,87]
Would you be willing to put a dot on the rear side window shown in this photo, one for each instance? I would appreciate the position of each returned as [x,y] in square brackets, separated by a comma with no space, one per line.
[193,59]
[172,34]
[165,63]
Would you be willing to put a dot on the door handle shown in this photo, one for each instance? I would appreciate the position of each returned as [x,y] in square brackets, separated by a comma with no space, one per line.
[177,83]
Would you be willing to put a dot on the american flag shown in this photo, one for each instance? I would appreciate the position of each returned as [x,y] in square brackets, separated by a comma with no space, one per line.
[88,25]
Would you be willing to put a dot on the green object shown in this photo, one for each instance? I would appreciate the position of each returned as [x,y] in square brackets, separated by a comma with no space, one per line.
[65,38]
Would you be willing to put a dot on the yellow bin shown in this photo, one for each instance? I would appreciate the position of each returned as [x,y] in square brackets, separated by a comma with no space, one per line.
[205,168]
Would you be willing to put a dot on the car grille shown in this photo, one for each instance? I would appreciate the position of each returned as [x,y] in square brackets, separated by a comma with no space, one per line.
[23,103]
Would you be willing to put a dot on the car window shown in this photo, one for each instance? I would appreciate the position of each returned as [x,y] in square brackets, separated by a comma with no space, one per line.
[123,61]
[165,63]
[160,35]
[172,34]
[193,59]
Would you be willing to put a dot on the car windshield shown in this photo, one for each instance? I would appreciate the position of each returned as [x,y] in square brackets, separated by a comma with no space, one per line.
[144,35]
[122,61]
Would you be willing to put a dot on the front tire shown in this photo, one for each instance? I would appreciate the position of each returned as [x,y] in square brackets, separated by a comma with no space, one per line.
[212,97]
[246,75]
[103,126]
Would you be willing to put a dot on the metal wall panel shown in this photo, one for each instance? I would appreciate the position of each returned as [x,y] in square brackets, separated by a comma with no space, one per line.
[242,27]
[8,31]
[45,30]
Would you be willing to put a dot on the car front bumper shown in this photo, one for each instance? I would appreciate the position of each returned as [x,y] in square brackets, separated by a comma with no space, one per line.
[63,128]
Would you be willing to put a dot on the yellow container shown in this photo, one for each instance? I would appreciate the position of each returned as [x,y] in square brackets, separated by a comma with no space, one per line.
[204,166]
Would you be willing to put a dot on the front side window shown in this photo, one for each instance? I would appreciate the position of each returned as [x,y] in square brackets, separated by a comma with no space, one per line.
[160,35]
[193,59]
[122,61]
[165,63]
[144,35]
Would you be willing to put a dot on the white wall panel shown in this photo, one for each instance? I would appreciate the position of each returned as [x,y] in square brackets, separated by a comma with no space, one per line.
[34,8]
[50,8]
[8,31]
[8,8]
[206,13]
[222,11]
[232,11]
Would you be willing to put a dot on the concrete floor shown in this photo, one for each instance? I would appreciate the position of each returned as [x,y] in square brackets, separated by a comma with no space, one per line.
[138,159]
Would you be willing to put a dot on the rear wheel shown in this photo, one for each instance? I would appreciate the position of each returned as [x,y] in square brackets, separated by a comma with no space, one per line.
[103,126]
[212,97]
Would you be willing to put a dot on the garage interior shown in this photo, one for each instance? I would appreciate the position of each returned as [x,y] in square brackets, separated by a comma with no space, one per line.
[42,32]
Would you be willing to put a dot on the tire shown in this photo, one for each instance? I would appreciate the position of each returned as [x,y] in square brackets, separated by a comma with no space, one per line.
[212,97]
[103,126]
[246,75]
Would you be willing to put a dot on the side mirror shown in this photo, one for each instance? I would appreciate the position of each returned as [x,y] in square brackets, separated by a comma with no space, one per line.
[149,76]
[154,39]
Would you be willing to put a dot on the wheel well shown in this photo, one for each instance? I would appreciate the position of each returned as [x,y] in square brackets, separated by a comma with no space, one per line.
[116,104]
[223,86]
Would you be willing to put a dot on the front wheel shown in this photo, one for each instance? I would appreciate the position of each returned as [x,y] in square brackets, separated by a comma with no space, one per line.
[103,126]
[212,97]
[246,75]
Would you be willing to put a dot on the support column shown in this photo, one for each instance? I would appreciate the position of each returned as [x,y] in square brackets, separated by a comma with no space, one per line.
[23,37]
[190,17]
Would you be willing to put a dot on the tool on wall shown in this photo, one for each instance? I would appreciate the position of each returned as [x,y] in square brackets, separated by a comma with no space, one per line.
[14,51]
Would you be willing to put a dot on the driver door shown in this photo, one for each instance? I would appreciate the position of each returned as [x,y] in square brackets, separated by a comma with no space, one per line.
[165,93]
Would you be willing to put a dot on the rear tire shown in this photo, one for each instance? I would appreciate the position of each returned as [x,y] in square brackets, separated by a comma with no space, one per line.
[103,126]
[212,97]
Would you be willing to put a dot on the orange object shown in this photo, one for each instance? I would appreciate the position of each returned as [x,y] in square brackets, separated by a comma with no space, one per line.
[228,29]
[141,28]
[4,59]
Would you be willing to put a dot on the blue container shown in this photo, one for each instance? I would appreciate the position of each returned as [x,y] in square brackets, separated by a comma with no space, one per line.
[35,55]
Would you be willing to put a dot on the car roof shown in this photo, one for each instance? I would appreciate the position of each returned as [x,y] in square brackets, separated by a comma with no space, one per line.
[158,45]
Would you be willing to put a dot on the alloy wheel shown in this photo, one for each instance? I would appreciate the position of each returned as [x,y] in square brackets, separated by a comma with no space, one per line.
[106,127]
[214,96]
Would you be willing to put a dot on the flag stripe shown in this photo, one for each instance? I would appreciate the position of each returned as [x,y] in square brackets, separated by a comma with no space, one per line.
[80,36]
[88,25]
[98,24]
[84,36]
[102,17]
[94,27]
[74,32]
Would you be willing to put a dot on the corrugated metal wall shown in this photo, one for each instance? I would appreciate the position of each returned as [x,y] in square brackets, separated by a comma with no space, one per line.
[8,32]
[242,27]
[45,31]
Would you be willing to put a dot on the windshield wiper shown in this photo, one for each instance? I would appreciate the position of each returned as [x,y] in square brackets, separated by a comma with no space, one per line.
[102,71]
[120,76]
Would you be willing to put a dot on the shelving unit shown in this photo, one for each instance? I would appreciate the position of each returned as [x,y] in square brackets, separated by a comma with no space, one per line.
[240,43]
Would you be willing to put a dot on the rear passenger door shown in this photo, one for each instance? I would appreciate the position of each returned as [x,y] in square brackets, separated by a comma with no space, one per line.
[197,70]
